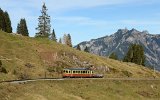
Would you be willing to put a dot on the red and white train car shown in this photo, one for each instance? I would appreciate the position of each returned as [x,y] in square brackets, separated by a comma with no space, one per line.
[79,73]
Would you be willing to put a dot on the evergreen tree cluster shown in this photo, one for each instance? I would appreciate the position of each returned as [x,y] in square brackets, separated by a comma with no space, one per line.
[67,40]
[5,22]
[22,28]
[135,55]
[113,56]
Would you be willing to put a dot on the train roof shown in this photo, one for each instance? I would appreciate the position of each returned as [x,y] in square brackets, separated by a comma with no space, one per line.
[76,69]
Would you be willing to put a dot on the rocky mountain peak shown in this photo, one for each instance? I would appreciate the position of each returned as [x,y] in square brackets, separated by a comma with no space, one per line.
[123,30]
[122,39]
[133,31]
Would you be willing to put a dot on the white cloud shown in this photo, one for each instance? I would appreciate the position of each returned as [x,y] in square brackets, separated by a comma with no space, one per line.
[78,20]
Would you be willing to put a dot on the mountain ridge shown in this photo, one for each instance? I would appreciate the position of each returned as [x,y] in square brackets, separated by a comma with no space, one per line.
[122,39]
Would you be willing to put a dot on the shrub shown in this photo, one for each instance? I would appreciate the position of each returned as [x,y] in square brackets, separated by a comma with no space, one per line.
[128,74]
[55,69]
[23,76]
[2,69]
[0,63]
[29,65]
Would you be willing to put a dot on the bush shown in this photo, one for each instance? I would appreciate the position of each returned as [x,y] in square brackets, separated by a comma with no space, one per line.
[55,69]
[51,69]
[23,76]
[2,69]
[29,65]
[0,63]
[128,74]
[15,72]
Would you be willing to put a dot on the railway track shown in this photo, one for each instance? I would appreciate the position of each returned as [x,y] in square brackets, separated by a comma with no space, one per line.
[62,79]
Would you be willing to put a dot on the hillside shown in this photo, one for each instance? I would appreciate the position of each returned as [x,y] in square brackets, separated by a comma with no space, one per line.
[122,39]
[82,89]
[25,57]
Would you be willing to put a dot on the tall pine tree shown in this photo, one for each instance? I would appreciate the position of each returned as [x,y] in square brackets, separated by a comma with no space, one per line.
[18,28]
[69,41]
[5,22]
[8,27]
[44,23]
[2,21]
[22,28]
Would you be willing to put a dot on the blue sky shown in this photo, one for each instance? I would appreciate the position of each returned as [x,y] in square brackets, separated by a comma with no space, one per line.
[87,19]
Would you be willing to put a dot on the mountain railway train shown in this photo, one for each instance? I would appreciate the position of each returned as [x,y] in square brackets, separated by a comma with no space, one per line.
[80,73]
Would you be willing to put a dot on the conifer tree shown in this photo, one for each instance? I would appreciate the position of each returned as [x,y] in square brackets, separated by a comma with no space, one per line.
[60,40]
[65,39]
[113,56]
[135,54]
[22,28]
[8,27]
[69,41]
[18,28]
[44,23]
[5,22]
[53,36]
[86,49]
[2,20]
[78,47]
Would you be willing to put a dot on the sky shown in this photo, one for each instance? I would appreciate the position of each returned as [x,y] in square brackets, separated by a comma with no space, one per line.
[87,19]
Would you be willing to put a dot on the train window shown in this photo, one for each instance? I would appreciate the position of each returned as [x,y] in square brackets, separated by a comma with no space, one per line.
[88,72]
[69,71]
[83,71]
[79,72]
[91,72]
[66,71]
[73,71]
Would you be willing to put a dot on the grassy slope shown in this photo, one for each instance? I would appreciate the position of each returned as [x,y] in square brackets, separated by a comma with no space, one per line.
[43,54]
[82,90]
